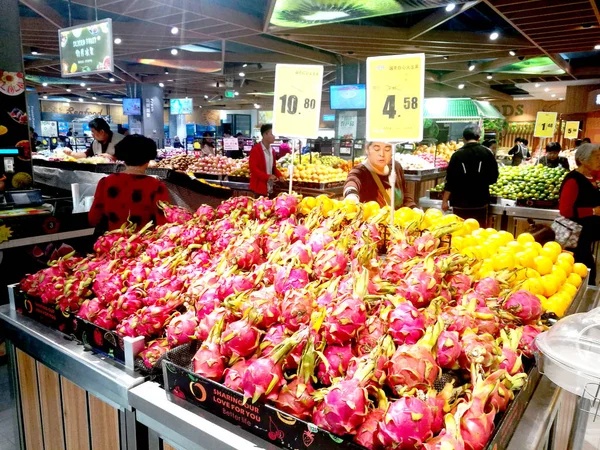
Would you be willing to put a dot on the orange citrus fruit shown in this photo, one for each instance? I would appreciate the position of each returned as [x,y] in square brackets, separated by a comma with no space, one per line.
[574,279]
[580,269]
[550,284]
[567,257]
[524,238]
[543,265]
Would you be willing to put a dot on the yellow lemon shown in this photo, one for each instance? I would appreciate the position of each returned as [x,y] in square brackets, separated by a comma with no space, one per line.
[370,209]
[554,246]
[471,225]
[521,274]
[433,213]
[574,279]
[523,238]
[566,257]
[535,246]
[542,298]
[503,261]
[549,253]
[559,273]
[534,285]
[543,265]
[569,289]
[517,247]
[556,304]
[532,273]
[580,269]
[564,265]
[506,237]
[525,259]
[550,284]
[458,242]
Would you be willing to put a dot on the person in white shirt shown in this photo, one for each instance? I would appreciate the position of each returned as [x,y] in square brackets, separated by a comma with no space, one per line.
[104,141]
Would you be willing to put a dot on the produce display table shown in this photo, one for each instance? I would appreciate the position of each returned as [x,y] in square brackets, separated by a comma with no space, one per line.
[418,185]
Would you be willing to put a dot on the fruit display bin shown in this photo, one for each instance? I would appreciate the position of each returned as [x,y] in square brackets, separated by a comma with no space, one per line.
[544,204]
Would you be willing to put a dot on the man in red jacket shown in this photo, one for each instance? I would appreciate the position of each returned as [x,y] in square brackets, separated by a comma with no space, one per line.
[263,170]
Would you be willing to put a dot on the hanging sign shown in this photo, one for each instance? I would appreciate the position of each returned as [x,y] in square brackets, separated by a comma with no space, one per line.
[395,94]
[297,101]
[86,49]
[572,129]
[545,124]
[230,144]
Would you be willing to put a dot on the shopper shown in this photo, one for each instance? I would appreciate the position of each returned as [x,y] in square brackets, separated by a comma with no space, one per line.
[263,169]
[580,202]
[492,144]
[284,148]
[104,141]
[517,152]
[370,180]
[208,144]
[177,142]
[129,195]
[551,159]
[471,171]
[587,141]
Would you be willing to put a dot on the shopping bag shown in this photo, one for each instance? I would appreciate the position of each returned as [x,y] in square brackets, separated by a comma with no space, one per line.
[567,232]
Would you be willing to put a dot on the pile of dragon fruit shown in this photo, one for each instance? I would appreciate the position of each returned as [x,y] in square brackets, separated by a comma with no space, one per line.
[400,351]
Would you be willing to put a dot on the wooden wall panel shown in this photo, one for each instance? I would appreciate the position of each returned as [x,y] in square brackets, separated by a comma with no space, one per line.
[28,385]
[104,423]
[168,447]
[51,408]
[75,416]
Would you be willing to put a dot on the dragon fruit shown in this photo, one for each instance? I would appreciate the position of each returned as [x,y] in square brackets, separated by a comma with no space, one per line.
[448,350]
[524,306]
[477,419]
[330,263]
[208,322]
[488,287]
[486,321]
[127,304]
[439,404]
[478,349]
[300,233]
[413,366]
[264,307]
[233,375]
[406,324]
[232,285]
[290,401]
[272,338]
[296,308]
[527,342]
[425,244]
[245,255]
[421,285]
[175,214]
[287,278]
[469,296]
[319,240]
[338,359]
[344,320]
[181,329]
[89,309]
[449,439]
[368,336]
[206,213]
[239,339]
[208,360]
[104,320]
[459,318]
[153,351]
[366,435]
[285,205]
[510,359]
[406,424]
[299,254]
[263,208]
[459,284]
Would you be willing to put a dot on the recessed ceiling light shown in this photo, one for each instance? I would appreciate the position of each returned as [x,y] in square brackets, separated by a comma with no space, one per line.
[93,98]
[68,90]
[99,103]
[553,95]
[174,30]
[257,106]
[170,81]
[245,65]
[546,89]
[161,84]
[174,51]
[461,86]
[242,74]
[34,53]
[118,41]
[206,96]
[236,93]
[597,47]
[81,100]
[44,84]
[111,79]
[495,35]
[445,57]
[512,53]
[537,85]
[561,98]
[200,106]
[45,97]
[471,67]
[82,84]
[489,77]
[89,89]
[450,7]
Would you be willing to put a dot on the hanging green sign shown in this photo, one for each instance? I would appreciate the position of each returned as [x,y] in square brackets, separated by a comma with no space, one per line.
[86,49]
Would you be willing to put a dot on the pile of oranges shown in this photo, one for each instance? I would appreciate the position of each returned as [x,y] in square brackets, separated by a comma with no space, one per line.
[318,173]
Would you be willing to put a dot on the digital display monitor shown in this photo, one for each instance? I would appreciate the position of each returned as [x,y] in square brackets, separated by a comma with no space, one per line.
[63,128]
[9,151]
[348,96]
[86,49]
[132,106]
[328,117]
[181,106]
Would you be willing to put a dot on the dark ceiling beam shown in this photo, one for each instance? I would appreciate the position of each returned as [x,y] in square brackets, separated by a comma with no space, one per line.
[209,8]
[287,48]
[438,18]
[541,7]
[42,8]
[596,10]
[268,14]
[558,60]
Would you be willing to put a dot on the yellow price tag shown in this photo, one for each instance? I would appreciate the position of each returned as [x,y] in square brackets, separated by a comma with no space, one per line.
[545,124]
[572,129]
[395,93]
[297,101]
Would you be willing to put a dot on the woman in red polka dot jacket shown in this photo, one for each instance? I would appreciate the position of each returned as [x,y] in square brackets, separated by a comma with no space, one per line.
[129,195]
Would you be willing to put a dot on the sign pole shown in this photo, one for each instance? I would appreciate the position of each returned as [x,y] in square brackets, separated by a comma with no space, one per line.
[393,185]
[291,167]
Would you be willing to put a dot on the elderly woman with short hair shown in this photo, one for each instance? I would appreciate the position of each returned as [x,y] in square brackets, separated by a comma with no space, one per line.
[580,202]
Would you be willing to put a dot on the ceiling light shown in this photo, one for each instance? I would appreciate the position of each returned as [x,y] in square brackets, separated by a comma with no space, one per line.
[117,41]
[257,106]
[68,90]
[99,103]
[89,89]
[34,53]
[242,74]
[186,97]
[166,71]
[82,84]
[597,47]
[471,67]
[174,52]
[68,100]
[489,77]
[245,65]
[445,57]
[461,86]
[200,106]
[44,84]
[111,79]
[81,100]
[495,35]
[326,15]
[93,98]
[236,93]
[45,97]
[512,53]
[174,30]
[553,95]
[206,96]
[546,89]
[450,7]
[161,84]
[170,81]
[537,85]
[561,98]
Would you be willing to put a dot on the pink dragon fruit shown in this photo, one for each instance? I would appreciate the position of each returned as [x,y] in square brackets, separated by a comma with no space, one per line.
[406,324]
[208,322]
[296,308]
[319,240]
[272,338]
[488,287]
[208,360]
[425,244]
[406,424]
[285,205]
[469,296]
[527,342]
[368,336]
[459,284]
[298,254]
[239,339]
[344,320]
[263,208]
[366,435]
[300,233]
[175,214]
[263,307]
[510,359]
[487,321]
[459,319]
[524,306]
[421,286]
[449,439]
[206,213]
[477,419]
[329,264]
[448,350]
[234,285]
[127,304]
[287,278]
[234,374]
[338,359]
[296,399]
[439,404]
[181,329]
[478,349]
[104,320]
[245,255]
[206,303]
[153,351]
[413,366]
[89,309]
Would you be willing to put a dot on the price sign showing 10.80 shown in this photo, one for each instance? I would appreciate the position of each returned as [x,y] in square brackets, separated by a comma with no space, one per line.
[395,92]
[297,102]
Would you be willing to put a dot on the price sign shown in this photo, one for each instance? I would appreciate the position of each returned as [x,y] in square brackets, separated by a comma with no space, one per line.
[545,123]
[395,93]
[297,102]
[572,129]
[230,144]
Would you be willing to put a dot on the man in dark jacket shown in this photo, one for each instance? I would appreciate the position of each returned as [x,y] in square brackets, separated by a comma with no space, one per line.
[471,171]
[519,151]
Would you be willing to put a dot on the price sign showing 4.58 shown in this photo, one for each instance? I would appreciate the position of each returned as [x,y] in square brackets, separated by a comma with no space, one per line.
[395,92]
[545,124]
[297,101]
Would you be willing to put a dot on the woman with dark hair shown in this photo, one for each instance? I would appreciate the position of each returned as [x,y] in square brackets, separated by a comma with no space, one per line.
[551,159]
[208,144]
[130,195]
[104,143]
